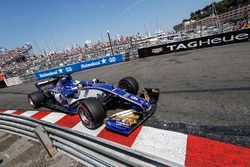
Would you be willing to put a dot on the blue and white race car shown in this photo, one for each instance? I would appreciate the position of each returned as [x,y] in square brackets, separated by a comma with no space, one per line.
[91,100]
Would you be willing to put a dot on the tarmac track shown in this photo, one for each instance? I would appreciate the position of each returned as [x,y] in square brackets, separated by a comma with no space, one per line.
[204,92]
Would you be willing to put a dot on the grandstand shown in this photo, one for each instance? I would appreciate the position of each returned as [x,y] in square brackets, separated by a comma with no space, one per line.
[22,61]
[11,60]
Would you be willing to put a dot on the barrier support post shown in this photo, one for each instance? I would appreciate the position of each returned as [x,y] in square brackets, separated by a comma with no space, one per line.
[43,137]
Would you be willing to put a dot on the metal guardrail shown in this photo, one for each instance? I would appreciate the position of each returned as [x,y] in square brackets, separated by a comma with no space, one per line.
[86,148]
[28,78]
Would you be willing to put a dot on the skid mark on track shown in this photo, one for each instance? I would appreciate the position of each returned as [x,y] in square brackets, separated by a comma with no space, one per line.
[210,90]
[15,93]
[15,105]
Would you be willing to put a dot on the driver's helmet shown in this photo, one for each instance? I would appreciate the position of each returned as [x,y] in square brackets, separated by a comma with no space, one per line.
[78,84]
[65,79]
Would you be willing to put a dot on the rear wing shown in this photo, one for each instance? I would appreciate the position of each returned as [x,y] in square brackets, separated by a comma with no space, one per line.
[46,82]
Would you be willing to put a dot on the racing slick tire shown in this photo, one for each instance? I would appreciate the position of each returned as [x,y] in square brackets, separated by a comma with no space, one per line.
[36,99]
[91,113]
[129,84]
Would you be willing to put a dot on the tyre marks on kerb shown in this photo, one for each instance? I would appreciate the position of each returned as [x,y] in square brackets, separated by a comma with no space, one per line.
[239,135]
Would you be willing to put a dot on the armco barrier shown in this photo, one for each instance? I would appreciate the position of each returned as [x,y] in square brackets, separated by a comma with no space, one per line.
[27,78]
[146,146]
[79,66]
[208,41]
[81,146]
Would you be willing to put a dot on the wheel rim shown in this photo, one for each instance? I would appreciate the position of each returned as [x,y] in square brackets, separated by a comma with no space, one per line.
[84,114]
[31,102]
[126,86]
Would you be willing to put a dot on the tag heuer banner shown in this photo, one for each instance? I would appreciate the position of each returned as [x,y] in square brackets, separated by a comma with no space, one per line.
[208,41]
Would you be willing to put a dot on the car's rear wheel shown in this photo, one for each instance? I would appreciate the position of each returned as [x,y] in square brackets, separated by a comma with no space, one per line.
[36,99]
[91,113]
[129,84]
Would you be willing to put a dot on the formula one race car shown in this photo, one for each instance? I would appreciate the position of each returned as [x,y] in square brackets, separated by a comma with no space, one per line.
[91,99]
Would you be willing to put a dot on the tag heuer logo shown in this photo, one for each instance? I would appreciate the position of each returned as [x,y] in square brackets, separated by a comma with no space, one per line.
[157,50]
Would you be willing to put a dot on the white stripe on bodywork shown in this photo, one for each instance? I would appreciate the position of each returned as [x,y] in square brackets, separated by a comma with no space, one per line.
[29,113]
[53,117]
[9,111]
[162,143]
[84,95]
[81,128]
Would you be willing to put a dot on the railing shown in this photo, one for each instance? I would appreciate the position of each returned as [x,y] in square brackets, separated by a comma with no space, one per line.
[83,147]
[28,78]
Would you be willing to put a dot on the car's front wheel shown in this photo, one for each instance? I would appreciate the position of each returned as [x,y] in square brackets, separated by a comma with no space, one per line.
[129,84]
[91,113]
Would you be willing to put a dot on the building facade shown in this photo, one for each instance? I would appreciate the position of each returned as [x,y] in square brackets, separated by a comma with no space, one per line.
[230,16]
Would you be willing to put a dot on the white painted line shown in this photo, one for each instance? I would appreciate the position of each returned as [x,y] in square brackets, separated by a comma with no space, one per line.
[53,117]
[162,143]
[81,128]
[9,111]
[29,113]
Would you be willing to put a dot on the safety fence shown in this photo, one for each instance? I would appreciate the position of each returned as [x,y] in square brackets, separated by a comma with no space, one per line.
[83,147]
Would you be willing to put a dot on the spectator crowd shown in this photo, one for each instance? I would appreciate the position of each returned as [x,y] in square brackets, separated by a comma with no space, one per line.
[21,61]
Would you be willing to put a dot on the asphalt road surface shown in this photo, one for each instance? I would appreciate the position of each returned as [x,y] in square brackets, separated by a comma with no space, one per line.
[204,92]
